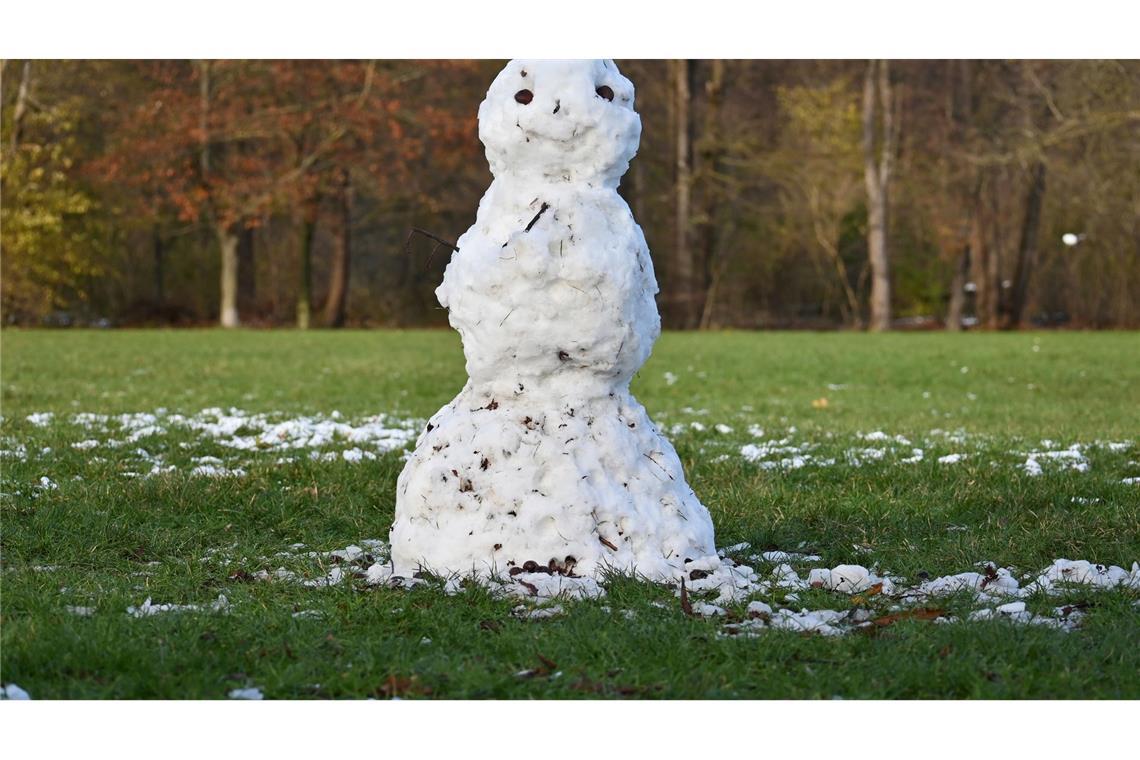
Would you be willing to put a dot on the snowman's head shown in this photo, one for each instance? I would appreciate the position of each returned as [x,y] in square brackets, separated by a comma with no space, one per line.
[561,121]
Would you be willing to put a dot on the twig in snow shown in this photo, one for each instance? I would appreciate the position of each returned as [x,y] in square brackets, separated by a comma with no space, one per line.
[534,221]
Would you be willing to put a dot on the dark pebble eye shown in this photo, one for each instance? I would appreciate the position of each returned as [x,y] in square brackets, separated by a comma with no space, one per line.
[524,96]
[605,92]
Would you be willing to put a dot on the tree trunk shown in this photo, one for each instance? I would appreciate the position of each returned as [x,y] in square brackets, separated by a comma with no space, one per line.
[336,304]
[305,281]
[711,153]
[159,267]
[228,237]
[21,108]
[877,166]
[247,275]
[957,307]
[682,270]
[980,253]
[227,233]
[994,260]
[1027,247]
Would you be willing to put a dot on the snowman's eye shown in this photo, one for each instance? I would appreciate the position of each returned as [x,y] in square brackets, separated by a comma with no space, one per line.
[605,92]
[524,96]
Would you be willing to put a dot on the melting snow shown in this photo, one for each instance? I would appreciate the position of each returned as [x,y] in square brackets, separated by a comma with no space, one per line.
[252,692]
[237,430]
[147,609]
[12,691]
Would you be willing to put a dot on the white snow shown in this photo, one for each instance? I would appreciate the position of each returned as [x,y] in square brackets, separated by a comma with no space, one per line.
[848,579]
[818,621]
[713,582]
[215,471]
[734,549]
[12,691]
[951,458]
[1071,458]
[758,609]
[148,609]
[545,455]
[704,609]
[538,613]
[252,692]
[238,431]
[1053,579]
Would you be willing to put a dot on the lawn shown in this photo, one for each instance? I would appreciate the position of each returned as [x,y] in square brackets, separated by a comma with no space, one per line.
[777,432]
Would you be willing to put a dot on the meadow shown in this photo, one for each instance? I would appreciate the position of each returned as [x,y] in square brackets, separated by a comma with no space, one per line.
[134,469]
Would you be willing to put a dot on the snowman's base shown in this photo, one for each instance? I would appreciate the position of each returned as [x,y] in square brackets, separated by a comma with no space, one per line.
[580,486]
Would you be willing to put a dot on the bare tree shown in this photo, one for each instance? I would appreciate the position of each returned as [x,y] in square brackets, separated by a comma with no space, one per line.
[1027,247]
[305,270]
[225,231]
[878,159]
[337,302]
[683,269]
[711,154]
[21,108]
[247,272]
[957,306]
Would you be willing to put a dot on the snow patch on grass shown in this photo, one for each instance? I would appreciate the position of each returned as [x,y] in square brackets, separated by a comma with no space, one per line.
[149,609]
[252,692]
[234,429]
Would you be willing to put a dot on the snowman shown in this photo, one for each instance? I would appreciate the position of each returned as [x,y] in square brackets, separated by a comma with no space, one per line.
[545,459]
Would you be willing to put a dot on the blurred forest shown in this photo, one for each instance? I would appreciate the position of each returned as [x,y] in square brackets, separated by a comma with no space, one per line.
[779,194]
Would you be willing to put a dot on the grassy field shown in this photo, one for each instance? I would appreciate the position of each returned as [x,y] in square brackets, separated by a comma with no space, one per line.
[105,531]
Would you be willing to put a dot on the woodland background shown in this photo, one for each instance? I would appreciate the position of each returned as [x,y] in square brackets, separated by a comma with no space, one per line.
[773,194]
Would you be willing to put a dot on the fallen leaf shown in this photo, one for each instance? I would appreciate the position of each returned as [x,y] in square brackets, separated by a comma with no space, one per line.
[873,591]
[922,613]
[398,686]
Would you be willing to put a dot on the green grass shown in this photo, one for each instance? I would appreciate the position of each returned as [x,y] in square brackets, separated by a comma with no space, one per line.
[116,540]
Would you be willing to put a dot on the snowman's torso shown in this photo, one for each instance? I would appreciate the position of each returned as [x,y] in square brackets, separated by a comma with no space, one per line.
[565,305]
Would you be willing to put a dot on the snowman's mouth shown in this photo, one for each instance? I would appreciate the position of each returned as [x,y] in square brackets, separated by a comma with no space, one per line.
[579,131]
